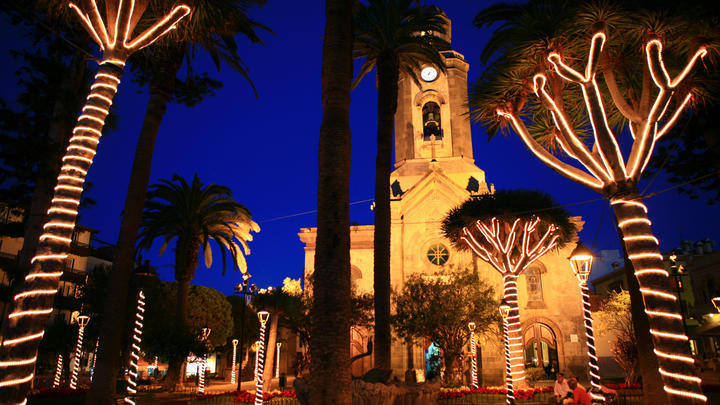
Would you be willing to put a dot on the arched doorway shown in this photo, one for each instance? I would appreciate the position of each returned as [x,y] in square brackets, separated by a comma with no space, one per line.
[541,348]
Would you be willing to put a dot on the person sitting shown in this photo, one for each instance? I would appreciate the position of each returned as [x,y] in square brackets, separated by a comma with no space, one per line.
[561,388]
[579,395]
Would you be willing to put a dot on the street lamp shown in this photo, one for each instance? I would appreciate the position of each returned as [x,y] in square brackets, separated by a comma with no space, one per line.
[676,271]
[243,289]
[201,373]
[509,391]
[581,262]
[82,321]
[473,354]
[233,374]
[263,317]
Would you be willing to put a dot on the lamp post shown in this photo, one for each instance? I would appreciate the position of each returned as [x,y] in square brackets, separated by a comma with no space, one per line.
[256,346]
[277,359]
[233,374]
[263,316]
[131,388]
[201,373]
[82,321]
[243,289]
[473,354]
[509,392]
[58,372]
[581,262]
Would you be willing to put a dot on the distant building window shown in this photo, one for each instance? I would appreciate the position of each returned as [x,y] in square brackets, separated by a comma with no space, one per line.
[438,254]
[431,121]
[534,284]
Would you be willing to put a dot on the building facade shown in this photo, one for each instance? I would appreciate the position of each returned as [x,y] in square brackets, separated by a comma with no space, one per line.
[435,172]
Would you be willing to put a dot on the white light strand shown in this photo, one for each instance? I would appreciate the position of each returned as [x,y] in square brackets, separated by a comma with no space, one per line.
[131,388]
[473,360]
[594,368]
[277,360]
[58,371]
[201,375]
[509,392]
[78,157]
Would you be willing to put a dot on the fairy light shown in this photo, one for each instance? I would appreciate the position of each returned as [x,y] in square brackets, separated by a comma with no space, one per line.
[233,373]
[607,171]
[203,364]
[58,371]
[277,359]
[510,252]
[473,354]
[82,321]
[131,388]
[256,345]
[263,316]
[22,341]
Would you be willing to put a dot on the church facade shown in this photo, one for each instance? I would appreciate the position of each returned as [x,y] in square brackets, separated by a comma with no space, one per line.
[435,172]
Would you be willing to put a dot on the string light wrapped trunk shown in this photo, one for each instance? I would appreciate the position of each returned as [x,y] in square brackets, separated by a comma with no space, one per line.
[263,316]
[510,247]
[473,354]
[92,367]
[82,321]
[26,322]
[608,173]
[131,387]
[58,371]
[233,373]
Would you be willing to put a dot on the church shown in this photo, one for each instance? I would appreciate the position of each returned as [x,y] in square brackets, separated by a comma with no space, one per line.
[435,172]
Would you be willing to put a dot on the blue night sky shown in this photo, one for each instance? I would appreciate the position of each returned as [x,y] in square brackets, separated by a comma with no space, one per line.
[265,149]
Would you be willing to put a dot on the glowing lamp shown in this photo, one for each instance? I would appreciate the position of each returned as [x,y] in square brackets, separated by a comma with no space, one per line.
[716,302]
[473,352]
[581,260]
[263,316]
[82,321]
[471,325]
[504,309]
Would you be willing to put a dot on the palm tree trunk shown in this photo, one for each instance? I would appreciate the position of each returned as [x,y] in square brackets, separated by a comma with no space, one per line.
[330,312]
[24,330]
[517,364]
[665,320]
[651,382]
[387,106]
[111,333]
[174,378]
[58,131]
[270,354]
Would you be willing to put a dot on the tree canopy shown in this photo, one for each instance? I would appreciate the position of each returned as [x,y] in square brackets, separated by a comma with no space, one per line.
[440,306]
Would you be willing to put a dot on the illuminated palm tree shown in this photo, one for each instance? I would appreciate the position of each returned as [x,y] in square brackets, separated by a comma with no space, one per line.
[194,214]
[212,28]
[510,230]
[330,312]
[33,303]
[535,88]
[388,36]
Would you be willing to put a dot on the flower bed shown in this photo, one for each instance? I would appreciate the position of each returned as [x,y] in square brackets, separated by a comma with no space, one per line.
[483,395]
[245,397]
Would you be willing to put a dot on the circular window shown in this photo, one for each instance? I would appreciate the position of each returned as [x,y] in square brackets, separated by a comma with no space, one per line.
[438,254]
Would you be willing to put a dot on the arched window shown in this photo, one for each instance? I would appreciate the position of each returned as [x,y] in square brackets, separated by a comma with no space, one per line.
[431,121]
[540,347]
[534,284]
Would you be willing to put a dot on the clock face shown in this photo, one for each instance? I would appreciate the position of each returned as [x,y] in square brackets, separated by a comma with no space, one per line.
[428,74]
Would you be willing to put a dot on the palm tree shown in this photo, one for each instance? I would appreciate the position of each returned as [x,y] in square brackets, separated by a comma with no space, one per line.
[194,214]
[569,107]
[213,25]
[330,312]
[510,230]
[388,35]
[33,304]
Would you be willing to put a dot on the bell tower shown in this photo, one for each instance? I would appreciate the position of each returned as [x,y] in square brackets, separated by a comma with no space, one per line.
[432,120]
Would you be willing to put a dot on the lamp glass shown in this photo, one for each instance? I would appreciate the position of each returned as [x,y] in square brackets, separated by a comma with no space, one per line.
[581,260]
